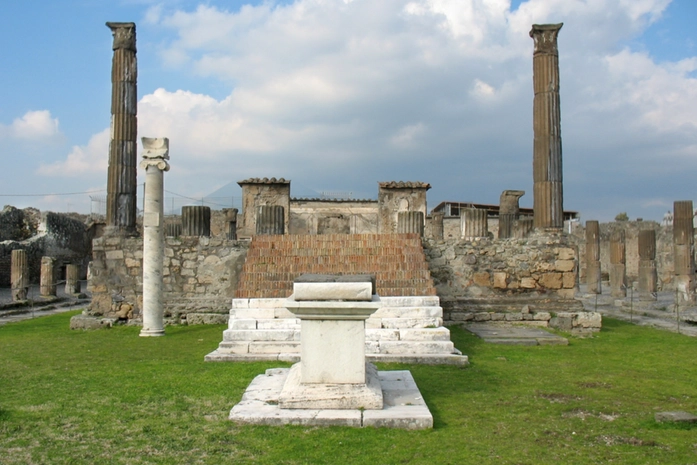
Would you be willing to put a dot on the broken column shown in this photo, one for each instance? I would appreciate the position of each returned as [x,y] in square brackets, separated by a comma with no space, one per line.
[522,227]
[437,225]
[548,197]
[155,156]
[473,223]
[509,210]
[647,265]
[72,279]
[47,286]
[19,275]
[196,220]
[399,196]
[410,222]
[270,219]
[121,177]
[618,269]
[262,191]
[231,220]
[593,281]
[683,250]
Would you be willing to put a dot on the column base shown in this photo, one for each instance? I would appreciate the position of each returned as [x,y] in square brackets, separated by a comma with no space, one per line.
[151,332]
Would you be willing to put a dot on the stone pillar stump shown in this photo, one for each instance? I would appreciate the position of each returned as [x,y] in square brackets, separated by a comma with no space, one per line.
[196,221]
[593,279]
[410,222]
[19,275]
[72,279]
[474,223]
[683,250]
[648,277]
[47,286]
[618,271]
[270,219]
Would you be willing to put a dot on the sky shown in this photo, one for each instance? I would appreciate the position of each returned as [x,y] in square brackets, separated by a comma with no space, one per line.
[338,95]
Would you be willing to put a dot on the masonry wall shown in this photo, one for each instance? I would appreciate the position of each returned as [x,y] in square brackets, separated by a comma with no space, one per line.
[199,277]
[535,266]
[333,217]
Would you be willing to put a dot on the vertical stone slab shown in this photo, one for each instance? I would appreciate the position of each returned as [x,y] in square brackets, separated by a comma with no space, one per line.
[522,227]
[548,201]
[474,223]
[618,270]
[173,230]
[196,221]
[72,279]
[270,219]
[155,156]
[437,225]
[593,280]
[121,177]
[509,210]
[410,222]
[47,286]
[231,220]
[648,277]
[683,250]
[19,275]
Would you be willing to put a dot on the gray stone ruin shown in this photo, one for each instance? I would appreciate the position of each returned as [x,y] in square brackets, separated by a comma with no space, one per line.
[270,219]
[410,222]
[593,278]
[196,221]
[47,286]
[437,225]
[618,268]
[19,275]
[648,277]
[548,196]
[121,177]
[474,223]
[683,250]
[72,279]
[509,211]
[231,221]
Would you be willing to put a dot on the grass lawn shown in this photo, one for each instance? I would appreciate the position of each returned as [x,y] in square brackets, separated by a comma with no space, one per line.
[110,396]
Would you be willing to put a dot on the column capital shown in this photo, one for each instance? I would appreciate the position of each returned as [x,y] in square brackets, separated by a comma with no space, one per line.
[155,152]
[545,37]
[124,35]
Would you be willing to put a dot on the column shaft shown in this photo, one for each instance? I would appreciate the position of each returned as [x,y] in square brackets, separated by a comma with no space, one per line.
[47,286]
[410,222]
[19,275]
[593,280]
[72,279]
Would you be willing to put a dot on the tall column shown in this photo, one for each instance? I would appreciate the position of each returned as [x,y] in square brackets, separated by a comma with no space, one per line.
[410,222]
[593,281]
[548,201]
[196,220]
[509,210]
[437,225]
[683,250]
[19,275]
[155,156]
[473,222]
[47,286]
[121,178]
[618,269]
[72,279]
[648,277]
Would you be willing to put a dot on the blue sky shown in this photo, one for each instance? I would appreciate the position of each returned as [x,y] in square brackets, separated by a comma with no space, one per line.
[338,95]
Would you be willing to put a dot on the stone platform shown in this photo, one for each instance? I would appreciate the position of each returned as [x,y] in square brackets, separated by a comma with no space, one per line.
[515,335]
[403,405]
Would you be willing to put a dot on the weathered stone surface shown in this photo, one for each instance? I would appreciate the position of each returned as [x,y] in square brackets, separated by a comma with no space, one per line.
[333,291]
[551,280]
[206,319]
[675,417]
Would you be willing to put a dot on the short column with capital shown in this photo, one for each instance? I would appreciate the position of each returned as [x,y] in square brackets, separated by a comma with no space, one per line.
[155,156]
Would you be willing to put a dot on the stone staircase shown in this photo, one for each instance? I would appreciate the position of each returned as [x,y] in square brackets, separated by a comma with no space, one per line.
[408,328]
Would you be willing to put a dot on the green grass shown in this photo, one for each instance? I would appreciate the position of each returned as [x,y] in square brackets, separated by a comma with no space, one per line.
[112,397]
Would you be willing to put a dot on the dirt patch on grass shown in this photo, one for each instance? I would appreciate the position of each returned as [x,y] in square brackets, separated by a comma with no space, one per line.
[557,397]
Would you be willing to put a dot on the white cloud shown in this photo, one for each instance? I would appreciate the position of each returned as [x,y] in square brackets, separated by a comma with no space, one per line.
[89,159]
[32,126]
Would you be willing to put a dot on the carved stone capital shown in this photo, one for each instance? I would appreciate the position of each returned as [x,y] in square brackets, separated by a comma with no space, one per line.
[158,163]
[155,147]
[545,37]
[124,35]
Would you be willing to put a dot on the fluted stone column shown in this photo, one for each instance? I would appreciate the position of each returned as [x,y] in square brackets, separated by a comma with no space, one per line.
[593,280]
[231,220]
[618,269]
[648,277]
[47,286]
[155,156]
[19,275]
[474,223]
[270,219]
[548,201]
[72,279]
[410,222]
[522,227]
[437,225]
[509,210]
[121,178]
[683,250]
[173,229]
[196,220]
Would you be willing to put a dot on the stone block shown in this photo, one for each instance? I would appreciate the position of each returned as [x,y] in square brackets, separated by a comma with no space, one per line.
[278,323]
[398,323]
[282,312]
[114,255]
[234,347]
[372,347]
[482,316]
[461,316]
[130,263]
[414,347]
[528,283]
[551,280]
[500,280]
[675,417]
[244,313]
[566,293]
[408,312]
[481,278]
[425,334]
[568,280]
[373,323]
[542,316]
[562,322]
[206,319]
[410,301]
[382,334]
[333,291]
[280,335]
[242,323]
[564,265]
[240,303]
[269,347]
[566,253]
[90,322]
[514,317]
[588,320]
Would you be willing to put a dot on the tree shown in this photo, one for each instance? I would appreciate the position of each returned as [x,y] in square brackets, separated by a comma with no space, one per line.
[622,217]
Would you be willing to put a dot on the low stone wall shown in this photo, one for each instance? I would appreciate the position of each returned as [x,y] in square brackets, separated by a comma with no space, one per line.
[199,277]
[540,265]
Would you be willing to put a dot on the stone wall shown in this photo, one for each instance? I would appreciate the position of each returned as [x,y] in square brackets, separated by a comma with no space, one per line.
[199,277]
[540,265]
[313,216]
